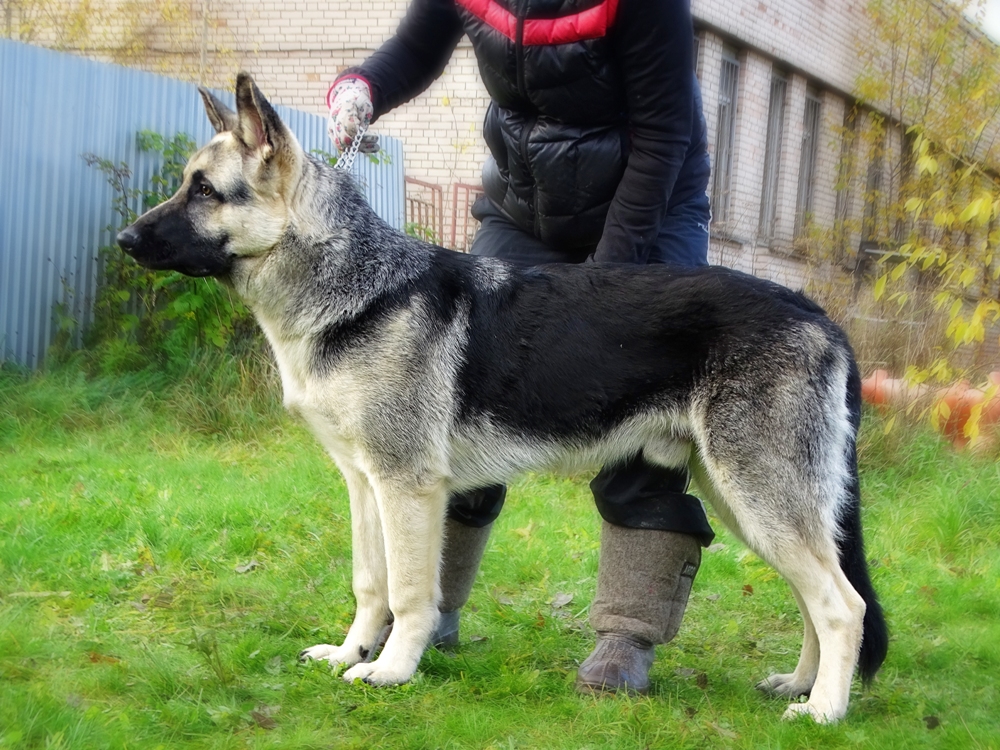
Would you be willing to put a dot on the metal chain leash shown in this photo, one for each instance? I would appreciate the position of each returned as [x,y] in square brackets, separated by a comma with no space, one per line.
[346,159]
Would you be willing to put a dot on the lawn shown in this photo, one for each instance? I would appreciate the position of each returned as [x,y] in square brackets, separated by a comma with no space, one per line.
[166,550]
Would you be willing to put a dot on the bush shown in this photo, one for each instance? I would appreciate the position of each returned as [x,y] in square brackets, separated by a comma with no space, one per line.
[144,317]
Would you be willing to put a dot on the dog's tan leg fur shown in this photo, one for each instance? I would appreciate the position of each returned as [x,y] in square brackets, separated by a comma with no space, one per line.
[370,579]
[413,530]
[800,681]
[837,613]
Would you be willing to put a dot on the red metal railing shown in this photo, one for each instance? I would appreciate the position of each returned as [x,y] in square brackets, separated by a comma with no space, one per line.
[463,226]
[424,210]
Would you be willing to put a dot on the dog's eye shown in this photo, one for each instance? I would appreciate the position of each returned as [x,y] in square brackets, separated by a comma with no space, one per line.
[206,190]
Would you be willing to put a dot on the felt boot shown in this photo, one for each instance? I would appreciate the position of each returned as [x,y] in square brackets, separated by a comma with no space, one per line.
[463,551]
[643,582]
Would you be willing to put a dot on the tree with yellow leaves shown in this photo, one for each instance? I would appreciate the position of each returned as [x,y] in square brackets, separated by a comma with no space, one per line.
[934,79]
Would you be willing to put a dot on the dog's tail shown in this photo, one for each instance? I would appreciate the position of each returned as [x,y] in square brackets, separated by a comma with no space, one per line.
[875,638]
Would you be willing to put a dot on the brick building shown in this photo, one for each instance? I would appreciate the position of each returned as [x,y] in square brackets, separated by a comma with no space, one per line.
[775,74]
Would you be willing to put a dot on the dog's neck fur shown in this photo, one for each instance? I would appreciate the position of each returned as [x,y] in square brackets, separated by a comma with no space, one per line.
[350,252]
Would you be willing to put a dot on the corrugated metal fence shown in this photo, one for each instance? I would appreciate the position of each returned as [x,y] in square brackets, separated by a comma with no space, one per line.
[55,210]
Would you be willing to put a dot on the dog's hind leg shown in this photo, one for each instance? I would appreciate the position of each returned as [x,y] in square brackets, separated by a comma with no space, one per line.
[787,530]
[799,682]
[413,530]
[371,590]
[837,613]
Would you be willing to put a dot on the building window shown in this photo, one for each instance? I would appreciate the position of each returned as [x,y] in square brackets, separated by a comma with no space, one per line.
[772,157]
[870,229]
[845,180]
[725,136]
[807,162]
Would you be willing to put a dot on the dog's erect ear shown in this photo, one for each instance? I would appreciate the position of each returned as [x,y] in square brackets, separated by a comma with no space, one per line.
[259,128]
[222,117]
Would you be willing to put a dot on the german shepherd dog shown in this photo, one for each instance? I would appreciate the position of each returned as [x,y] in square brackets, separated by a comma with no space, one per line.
[425,372]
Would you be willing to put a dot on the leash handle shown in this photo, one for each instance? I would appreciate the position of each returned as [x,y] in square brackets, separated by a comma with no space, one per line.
[346,159]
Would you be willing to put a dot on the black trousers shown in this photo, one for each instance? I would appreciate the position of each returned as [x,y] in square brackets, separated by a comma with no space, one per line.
[634,494]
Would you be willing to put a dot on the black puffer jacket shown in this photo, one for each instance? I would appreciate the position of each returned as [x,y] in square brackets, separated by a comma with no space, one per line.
[592,117]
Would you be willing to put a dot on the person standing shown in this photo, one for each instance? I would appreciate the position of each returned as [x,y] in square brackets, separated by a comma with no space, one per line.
[598,153]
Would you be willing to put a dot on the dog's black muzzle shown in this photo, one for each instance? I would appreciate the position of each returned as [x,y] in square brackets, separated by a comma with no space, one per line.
[166,240]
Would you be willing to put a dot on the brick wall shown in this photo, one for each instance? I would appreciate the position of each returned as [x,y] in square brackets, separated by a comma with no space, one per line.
[296,48]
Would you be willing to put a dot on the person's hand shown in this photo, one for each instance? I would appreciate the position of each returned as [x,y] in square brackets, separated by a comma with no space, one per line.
[351,110]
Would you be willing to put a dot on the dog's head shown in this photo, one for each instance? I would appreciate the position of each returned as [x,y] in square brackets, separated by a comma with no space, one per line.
[231,204]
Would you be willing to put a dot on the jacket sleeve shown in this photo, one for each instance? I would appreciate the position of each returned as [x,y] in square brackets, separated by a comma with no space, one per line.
[654,46]
[409,61]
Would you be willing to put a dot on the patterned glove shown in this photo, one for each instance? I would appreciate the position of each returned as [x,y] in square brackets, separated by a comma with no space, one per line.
[350,103]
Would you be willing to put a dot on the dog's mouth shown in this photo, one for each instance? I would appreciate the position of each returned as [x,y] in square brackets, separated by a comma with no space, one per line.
[197,259]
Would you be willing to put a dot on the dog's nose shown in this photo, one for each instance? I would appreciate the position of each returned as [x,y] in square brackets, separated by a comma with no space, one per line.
[127,239]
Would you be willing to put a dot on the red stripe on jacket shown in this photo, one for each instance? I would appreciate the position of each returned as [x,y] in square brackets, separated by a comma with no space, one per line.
[592,23]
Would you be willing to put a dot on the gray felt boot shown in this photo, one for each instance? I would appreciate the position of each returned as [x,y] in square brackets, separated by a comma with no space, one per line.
[463,551]
[643,582]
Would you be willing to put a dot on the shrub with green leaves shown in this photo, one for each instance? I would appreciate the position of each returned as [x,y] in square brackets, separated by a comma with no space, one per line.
[142,315]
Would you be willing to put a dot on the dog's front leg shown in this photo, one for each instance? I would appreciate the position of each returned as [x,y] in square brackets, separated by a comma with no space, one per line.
[371,590]
[413,528]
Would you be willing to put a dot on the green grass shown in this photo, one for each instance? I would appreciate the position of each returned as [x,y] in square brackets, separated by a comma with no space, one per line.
[130,505]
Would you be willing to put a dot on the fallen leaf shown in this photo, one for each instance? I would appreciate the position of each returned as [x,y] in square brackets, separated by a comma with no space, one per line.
[714,597]
[717,547]
[247,567]
[525,532]
[98,658]
[684,672]
[932,722]
[502,598]
[478,638]
[164,598]
[273,665]
[263,720]
[748,590]
[701,680]
[727,733]
[562,600]
[540,621]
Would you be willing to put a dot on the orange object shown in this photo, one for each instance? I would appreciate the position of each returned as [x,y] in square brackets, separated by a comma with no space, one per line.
[991,412]
[873,387]
[951,420]
[952,406]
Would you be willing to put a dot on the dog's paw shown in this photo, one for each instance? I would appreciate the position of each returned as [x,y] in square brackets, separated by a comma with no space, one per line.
[378,674]
[820,716]
[789,685]
[336,655]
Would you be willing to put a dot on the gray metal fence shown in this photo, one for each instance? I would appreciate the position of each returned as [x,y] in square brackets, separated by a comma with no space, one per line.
[55,210]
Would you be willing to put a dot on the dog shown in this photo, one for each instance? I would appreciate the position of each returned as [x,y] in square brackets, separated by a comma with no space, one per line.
[425,372]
